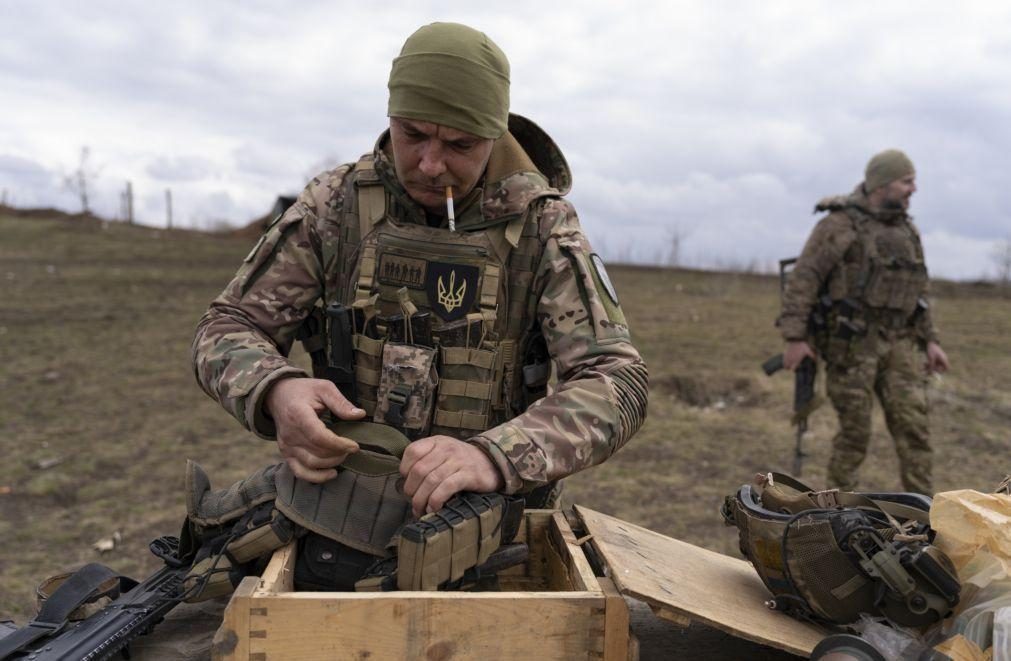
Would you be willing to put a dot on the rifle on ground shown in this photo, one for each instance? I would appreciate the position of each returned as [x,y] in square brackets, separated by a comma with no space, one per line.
[139,607]
[804,401]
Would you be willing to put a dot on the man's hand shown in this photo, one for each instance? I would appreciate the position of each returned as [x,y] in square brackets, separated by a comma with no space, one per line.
[795,352]
[937,360]
[437,467]
[311,450]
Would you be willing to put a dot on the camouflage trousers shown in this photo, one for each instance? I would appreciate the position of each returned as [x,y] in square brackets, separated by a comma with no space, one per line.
[893,369]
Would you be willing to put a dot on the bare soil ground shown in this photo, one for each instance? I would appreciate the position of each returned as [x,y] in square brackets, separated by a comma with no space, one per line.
[99,409]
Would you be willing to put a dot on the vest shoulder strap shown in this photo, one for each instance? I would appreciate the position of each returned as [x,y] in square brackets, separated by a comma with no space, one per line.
[371,194]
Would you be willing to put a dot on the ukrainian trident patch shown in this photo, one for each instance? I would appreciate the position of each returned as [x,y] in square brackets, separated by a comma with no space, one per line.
[451,288]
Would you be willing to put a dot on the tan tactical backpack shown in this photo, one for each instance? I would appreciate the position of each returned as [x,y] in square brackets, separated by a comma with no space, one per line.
[831,555]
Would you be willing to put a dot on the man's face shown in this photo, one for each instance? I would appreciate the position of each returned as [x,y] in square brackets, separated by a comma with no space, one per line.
[896,194]
[428,157]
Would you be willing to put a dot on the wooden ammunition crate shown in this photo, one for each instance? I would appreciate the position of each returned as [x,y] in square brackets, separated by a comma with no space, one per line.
[565,602]
[553,606]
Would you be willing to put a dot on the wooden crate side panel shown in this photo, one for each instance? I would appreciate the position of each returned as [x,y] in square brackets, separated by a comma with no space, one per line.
[577,568]
[534,533]
[231,641]
[616,622]
[428,626]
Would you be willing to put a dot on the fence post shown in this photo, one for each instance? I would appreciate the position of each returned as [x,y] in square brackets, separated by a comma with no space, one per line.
[129,203]
[168,208]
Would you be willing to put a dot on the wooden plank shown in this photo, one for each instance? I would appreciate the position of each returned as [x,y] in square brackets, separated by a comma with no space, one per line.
[279,575]
[616,622]
[231,642]
[579,570]
[691,582]
[414,625]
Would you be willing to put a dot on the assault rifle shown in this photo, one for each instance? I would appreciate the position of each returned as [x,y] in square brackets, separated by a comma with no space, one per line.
[140,606]
[804,401]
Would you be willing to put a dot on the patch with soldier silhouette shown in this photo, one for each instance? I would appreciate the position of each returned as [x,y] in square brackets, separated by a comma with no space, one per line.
[400,271]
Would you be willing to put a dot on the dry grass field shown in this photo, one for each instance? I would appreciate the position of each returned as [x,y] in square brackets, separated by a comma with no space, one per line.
[99,409]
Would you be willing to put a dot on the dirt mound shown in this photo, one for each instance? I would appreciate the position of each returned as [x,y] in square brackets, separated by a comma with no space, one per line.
[703,392]
[49,213]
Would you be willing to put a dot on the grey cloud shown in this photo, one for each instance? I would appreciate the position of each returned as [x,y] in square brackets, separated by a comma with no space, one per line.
[18,173]
[179,168]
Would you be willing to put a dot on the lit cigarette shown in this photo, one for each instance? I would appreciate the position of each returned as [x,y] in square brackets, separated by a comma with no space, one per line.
[450,212]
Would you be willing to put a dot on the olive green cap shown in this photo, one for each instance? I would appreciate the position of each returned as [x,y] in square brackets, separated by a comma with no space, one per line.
[453,75]
[886,167]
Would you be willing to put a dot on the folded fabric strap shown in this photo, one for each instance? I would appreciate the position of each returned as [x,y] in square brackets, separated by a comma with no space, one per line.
[380,447]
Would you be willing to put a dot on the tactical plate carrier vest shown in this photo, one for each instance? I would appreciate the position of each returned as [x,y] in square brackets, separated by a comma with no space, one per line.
[831,555]
[883,273]
[443,329]
[439,325]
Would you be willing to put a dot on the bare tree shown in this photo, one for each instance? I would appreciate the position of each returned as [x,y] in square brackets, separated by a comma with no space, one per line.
[80,180]
[676,236]
[1002,258]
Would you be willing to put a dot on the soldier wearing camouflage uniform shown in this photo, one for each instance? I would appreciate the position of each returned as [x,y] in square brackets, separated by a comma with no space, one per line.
[863,265]
[513,288]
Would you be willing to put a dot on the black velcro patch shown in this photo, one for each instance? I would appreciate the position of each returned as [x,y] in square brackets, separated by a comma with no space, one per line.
[451,288]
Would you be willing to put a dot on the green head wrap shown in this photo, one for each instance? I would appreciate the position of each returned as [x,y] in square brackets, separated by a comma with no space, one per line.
[452,75]
[885,168]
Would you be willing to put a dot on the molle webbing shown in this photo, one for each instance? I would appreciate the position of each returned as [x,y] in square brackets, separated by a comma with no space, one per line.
[362,511]
[480,385]
[443,545]
[368,361]
[467,389]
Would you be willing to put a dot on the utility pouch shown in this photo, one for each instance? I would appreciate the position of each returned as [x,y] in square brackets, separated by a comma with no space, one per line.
[407,386]
[441,546]
[368,344]
[324,564]
[466,332]
[340,360]
[418,330]
[221,564]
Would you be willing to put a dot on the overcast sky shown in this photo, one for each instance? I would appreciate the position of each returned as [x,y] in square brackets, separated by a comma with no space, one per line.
[720,123]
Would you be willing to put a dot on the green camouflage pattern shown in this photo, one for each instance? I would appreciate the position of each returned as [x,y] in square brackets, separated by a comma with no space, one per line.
[242,341]
[887,360]
[600,397]
[835,255]
[893,370]
[413,368]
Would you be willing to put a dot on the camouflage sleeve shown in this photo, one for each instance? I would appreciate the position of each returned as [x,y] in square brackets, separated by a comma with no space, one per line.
[822,253]
[602,384]
[242,341]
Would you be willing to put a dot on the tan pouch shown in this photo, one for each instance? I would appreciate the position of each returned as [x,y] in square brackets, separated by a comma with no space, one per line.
[441,546]
[407,384]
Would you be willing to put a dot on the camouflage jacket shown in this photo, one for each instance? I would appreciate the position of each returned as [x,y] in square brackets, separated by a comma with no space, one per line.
[855,253]
[599,401]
